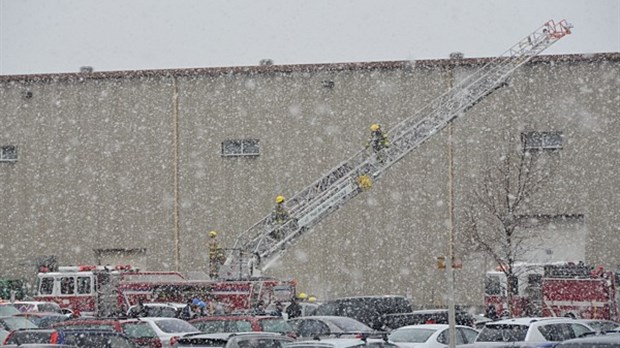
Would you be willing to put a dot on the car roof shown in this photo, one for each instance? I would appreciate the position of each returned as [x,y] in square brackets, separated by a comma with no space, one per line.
[430,326]
[329,342]
[227,335]
[326,317]
[527,321]
[236,317]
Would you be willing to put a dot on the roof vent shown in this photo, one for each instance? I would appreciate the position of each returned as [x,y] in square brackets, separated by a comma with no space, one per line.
[457,55]
[266,61]
[86,69]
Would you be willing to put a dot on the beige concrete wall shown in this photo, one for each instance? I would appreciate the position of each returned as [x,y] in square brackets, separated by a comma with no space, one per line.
[134,162]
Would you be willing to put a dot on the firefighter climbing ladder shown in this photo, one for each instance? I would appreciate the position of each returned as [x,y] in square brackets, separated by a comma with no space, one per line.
[263,243]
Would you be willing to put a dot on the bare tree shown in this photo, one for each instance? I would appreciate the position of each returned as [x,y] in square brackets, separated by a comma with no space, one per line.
[497,221]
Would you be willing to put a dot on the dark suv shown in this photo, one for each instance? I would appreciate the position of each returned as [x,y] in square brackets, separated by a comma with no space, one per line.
[370,310]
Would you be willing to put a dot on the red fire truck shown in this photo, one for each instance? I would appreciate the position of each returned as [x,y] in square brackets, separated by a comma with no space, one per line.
[555,290]
[109,291]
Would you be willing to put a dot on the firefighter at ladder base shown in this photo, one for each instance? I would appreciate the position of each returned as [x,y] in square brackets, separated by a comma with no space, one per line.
[216,255]
[378,140]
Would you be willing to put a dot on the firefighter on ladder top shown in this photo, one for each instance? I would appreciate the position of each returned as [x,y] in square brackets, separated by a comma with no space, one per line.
[378,141]
[279,214]
[216,255]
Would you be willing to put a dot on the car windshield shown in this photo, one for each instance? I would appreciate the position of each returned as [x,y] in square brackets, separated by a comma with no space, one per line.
[48,320]
[8,310]
[49,307]
[502,333]
[602,325]
[14,323]
[138,329]
[174,326]
[245,342]
[411,335]
[349,325]
[275,325]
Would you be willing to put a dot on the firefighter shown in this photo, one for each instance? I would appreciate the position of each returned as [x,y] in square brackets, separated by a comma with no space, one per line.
[378,139]
[279,214]
[216,255]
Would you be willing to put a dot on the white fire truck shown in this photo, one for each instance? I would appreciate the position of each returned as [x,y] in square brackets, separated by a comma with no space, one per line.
[556,290]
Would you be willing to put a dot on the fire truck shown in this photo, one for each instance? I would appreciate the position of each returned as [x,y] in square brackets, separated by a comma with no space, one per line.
[555,290]
[107,291]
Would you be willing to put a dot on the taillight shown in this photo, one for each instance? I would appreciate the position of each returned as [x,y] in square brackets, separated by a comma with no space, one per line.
[54,337]
[173,340]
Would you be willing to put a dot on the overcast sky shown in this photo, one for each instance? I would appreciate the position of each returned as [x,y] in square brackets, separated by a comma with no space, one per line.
[50,36]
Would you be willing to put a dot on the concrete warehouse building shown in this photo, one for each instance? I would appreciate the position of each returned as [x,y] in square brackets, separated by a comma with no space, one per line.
[137,166]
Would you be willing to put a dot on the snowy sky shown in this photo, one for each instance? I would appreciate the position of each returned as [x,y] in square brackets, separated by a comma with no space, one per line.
[48,36]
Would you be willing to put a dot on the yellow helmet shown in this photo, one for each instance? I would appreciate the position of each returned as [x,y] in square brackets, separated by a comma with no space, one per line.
[375,127]
[311,299]
[279,199]
[212,234]
[302,296]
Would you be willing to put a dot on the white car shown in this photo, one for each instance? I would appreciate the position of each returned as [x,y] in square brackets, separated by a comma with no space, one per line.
[169,329]
[532,330]
[234,340]
[430,336]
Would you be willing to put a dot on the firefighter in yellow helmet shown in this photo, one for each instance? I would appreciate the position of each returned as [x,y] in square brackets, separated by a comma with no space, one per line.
[216,255]
[378,139]
[302,296]
[279,214]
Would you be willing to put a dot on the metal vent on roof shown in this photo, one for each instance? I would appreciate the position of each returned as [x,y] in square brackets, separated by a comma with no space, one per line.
[457,55]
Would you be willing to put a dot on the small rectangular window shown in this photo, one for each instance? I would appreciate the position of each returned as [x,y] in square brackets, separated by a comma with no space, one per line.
[542,140]
[493,286]
[83,285]
[240,147]
[46,286]
[8,153]
[67,285]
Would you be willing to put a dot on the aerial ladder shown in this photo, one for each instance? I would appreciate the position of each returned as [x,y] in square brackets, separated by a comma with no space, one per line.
[258,247]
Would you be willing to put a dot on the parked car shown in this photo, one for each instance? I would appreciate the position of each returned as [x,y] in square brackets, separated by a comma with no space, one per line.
[321,326]
[32,336]
[169,329]
[243,323]
[8,324]
[370,310]
[37,306]
[38,345]
[429,316]
[535,330]
[140,332]
[168,310]
[92,338]
[430,336]
[597,341]
[340,343]
[234,340]
[43,319]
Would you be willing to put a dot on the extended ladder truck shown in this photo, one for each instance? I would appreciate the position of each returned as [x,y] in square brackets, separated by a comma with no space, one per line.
[262,244]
